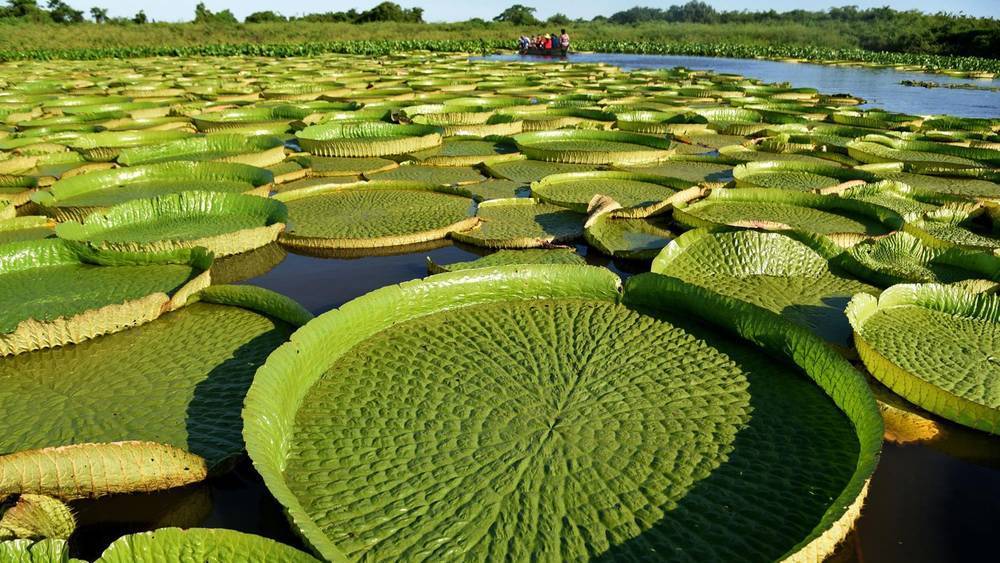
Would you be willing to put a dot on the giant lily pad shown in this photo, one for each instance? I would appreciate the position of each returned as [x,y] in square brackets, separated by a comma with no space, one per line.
[223,223]
[374,214]
[937,347]
[639,193]
[789,273]
[948,234]
[438,175]
[458,151]
[257,150]
[56,292]
[904,258]
[625,236]
[791,175]
[526,171]
[178,380]
[27,227]
[200,544]
[493,405]
[522,223]
[79,196]
[367,139]
[580,146]
[694,171]
[783,209]
[107,145]
[508,257]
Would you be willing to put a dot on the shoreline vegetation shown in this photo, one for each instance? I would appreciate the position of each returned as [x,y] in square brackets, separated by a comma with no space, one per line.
[959,45]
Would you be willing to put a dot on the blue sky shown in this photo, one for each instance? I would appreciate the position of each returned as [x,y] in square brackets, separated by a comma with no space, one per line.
[456,10]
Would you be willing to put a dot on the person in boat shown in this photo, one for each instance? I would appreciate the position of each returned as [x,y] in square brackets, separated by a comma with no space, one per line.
[523,43]
[547,43]
[564,41]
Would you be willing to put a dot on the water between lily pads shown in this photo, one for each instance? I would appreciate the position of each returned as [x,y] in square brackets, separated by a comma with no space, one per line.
[880,87]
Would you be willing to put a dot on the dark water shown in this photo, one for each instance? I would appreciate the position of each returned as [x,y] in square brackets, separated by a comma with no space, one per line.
[925,503]
[880,87]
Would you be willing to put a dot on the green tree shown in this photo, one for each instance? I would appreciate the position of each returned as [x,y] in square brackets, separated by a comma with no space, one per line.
[203,15]
[100,15]
[559,19]
[518,15]
[139,17]
[391,12]
[61,12]
[264,17]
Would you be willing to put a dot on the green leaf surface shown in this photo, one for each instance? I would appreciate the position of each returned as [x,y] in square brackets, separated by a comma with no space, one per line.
[937,347]
[509,257]
[522,223]
[575,190]
[221,222]
[526,171]
[51,279]
[200,545]
[368,215]
[787,273]
[179,380]
[527,399]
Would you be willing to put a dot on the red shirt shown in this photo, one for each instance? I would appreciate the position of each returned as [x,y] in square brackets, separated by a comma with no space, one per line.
[548,43]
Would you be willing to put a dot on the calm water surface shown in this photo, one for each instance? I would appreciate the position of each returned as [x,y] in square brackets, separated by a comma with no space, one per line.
[926,504]
[880,87]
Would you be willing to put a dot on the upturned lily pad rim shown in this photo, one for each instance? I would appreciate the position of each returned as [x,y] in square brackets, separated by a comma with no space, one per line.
[892,220]
[235,146]
[310,191]
[32,334]
[271,216]
[114,178]
[975,261]
[743,171]
[308,243]
[165,538]
[655,148]
[282,383]
[680,245]
[946,299]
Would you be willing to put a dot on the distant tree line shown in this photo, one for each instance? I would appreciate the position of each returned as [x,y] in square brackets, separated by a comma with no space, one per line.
[874,29]
[57,11]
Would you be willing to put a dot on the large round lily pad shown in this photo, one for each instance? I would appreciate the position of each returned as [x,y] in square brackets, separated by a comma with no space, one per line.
[178,380]
[784,209]
[791,175]
[223,223]
[439,175]
[789,273]
[526,171]
[55,292]
[582,146]
[77,197]
[367,139]
[526,412]
[508,257]
[904,258]
[200,544]
[27,227]
[643,193]
[522,223]
[374,214]
[936,346]
[256,150]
